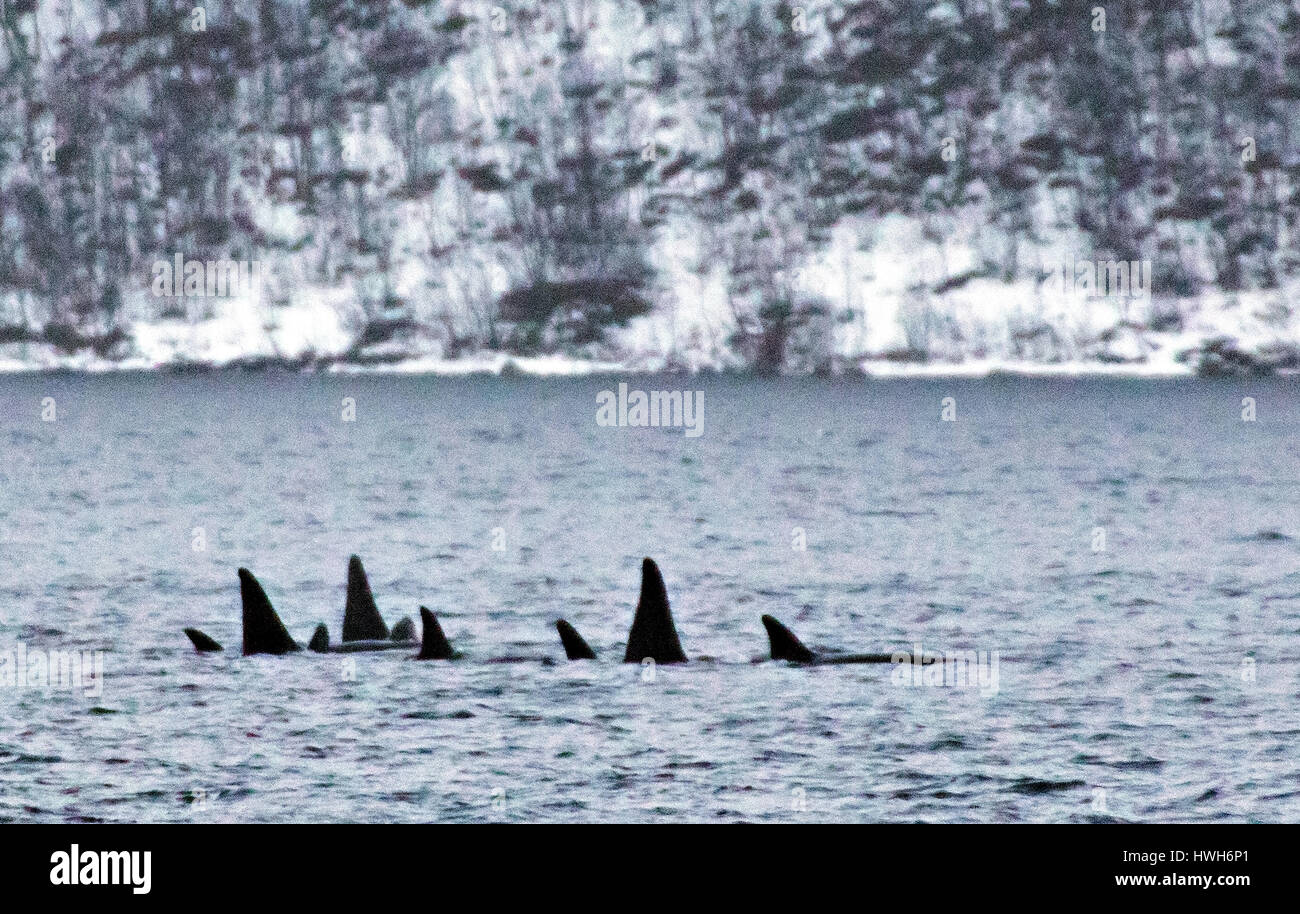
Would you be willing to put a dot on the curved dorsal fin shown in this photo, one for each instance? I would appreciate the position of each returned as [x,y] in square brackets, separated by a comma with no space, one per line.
[435,645]
[264,633]
[653,633]
[574,647]
[784,644]
[361,619]
[202,643]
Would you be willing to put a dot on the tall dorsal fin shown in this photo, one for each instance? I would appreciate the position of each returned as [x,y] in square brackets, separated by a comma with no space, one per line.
[361,619]
[202,643]
[784,644]
[574,647]
[653,633]
[435,645]
[264,633]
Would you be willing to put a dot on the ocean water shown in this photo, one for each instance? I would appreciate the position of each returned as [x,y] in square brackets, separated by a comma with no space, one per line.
[1127,550]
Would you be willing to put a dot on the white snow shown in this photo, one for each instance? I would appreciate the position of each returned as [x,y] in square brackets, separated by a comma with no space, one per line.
[243,328]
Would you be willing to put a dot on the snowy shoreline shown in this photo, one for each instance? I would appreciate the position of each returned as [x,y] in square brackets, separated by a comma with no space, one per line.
[499,365]
[313,337]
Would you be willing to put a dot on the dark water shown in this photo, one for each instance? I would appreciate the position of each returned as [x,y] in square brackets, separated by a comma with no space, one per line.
[1157,679]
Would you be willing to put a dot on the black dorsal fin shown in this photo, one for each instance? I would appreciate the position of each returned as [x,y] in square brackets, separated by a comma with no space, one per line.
[202,643]
[784,644]
[320,640]
[404,630]
[264,633]
[574,647]
[361,619]
[435,645]
[653,633]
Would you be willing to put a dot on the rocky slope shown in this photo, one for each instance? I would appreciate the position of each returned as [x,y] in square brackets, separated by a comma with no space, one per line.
[651,184]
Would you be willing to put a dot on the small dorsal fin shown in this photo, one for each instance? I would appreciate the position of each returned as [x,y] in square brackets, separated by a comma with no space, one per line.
[320,640]
[404,630]
[653,633]
[361,619]
[784,644]
[435,645]
[264,633]
[575,648]
[202,643]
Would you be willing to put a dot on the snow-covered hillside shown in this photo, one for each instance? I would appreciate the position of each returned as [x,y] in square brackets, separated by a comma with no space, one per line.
[651,185]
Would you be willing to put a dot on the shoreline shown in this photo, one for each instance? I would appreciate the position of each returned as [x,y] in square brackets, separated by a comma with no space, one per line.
[550,367]
[563,367]
[1227,362]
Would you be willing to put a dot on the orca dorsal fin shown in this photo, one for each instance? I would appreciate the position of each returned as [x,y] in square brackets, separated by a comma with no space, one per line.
[264,633]
[784,645]
[435,645]
[361,619]
[575,648]
[653,633]
[320,640]
[404,630]
[202,643]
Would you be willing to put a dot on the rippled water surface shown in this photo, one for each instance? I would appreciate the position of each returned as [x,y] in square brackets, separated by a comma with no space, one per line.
[1156,679]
